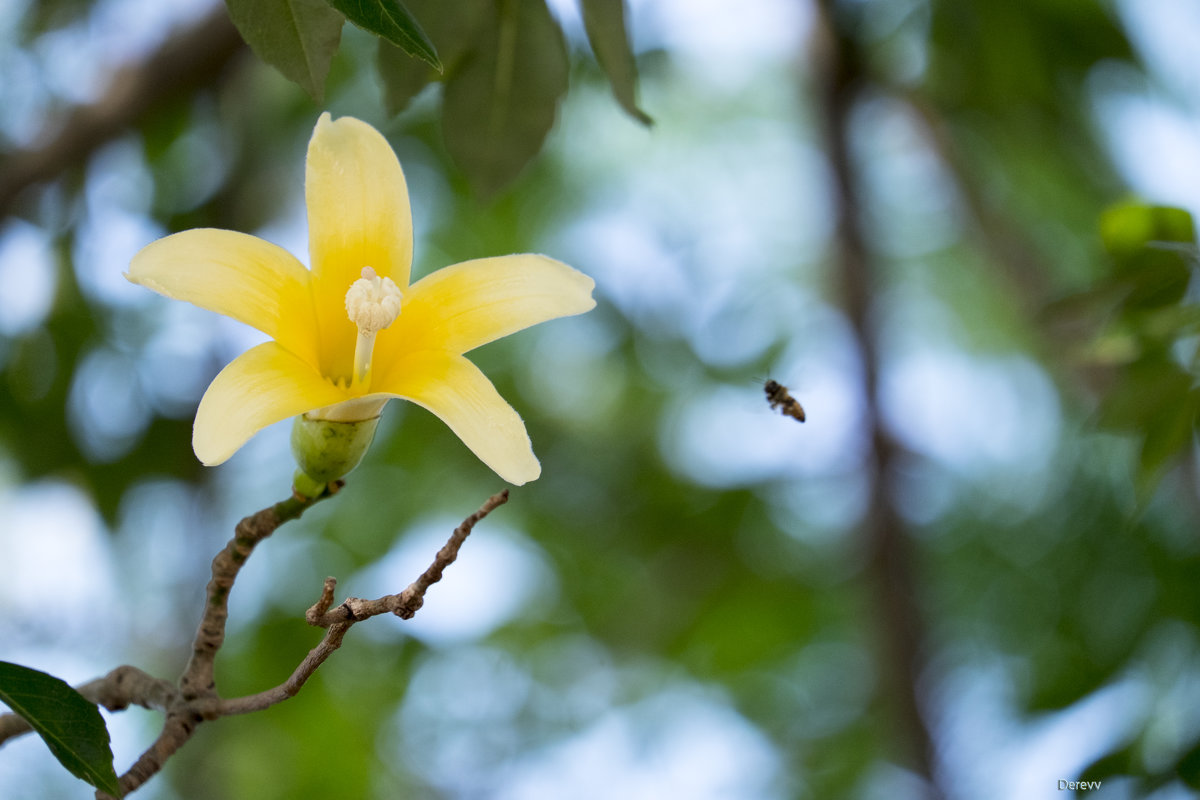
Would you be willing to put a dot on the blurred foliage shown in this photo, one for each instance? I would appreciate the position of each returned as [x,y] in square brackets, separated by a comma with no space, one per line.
[1154,396]
[41,369]
[1134,328]
[1069,575]
[503,63]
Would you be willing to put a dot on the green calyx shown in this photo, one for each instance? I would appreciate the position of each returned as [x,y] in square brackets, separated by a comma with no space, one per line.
[326,450]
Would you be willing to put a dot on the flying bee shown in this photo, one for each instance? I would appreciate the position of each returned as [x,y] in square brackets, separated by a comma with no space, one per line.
[779,397]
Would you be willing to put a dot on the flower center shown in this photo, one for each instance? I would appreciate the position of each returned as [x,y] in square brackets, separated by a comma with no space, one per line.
[372,303]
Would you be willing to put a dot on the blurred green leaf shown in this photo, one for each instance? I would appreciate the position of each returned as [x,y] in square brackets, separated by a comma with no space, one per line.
[1129,227]
[70,725]
[1154,399]
[38,376]
[48,16]
[1112,765]
[391,20]
[1146,390]
[1024,53]
[297,37]
[604,21]
[452,27]
[499,107]
[1134,235]
[1128,762]
[403,78]
[1152,396]
[1167,437]
[1188,767]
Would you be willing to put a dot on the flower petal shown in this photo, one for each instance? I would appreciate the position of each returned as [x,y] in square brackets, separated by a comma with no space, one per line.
[358,216]
[260,387]
[465,305]
[234,274]
[462,397]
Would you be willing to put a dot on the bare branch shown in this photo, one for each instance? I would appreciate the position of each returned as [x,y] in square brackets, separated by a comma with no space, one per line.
[352,610]
[322,605]
[126,686]
[12,725]
[406,603]
[415,594]
[177,729]
[291,687]
[197,679]
[196,699]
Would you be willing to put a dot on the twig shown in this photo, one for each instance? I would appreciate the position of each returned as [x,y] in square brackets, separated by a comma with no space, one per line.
[197,679]
[184,63]
[406,603]
[196,700]
[177,729]
[353,609]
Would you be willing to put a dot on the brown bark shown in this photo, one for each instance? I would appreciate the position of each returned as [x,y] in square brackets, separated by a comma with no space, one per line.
[889,553]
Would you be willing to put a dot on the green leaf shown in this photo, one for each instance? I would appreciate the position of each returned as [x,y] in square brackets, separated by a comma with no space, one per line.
[1168,436]
[1188,767]
[454,28]
[604,21]
[500,105]
[70,725]
[297,37]
[1142,392]
[1149,246]
[391,20]
[1155,400]
[1128,227]
[403,78]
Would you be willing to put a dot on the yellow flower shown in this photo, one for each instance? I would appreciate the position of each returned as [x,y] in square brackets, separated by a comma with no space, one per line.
[352,333]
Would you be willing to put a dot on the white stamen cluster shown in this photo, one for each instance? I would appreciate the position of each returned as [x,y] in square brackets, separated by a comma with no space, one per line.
[372,303]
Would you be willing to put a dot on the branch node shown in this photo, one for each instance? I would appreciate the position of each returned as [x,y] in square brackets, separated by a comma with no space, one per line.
[408,607]
[314,614]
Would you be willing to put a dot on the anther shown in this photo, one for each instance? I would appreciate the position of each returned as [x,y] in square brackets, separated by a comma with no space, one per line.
[372,303]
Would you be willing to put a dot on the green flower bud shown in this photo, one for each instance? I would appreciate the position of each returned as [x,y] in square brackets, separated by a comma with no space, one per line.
[326,450]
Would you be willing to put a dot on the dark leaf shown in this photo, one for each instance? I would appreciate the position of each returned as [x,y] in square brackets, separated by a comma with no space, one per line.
[1111,765]
[453,28]
[70,725]
[1188,767]
[297,37]
[1144,243]
[1155,400]
[604,21]
[391,20]
[500,105]
[1168,435]
[403,78]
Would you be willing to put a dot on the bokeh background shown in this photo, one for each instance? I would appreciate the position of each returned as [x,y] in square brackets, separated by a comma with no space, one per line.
[970,574]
